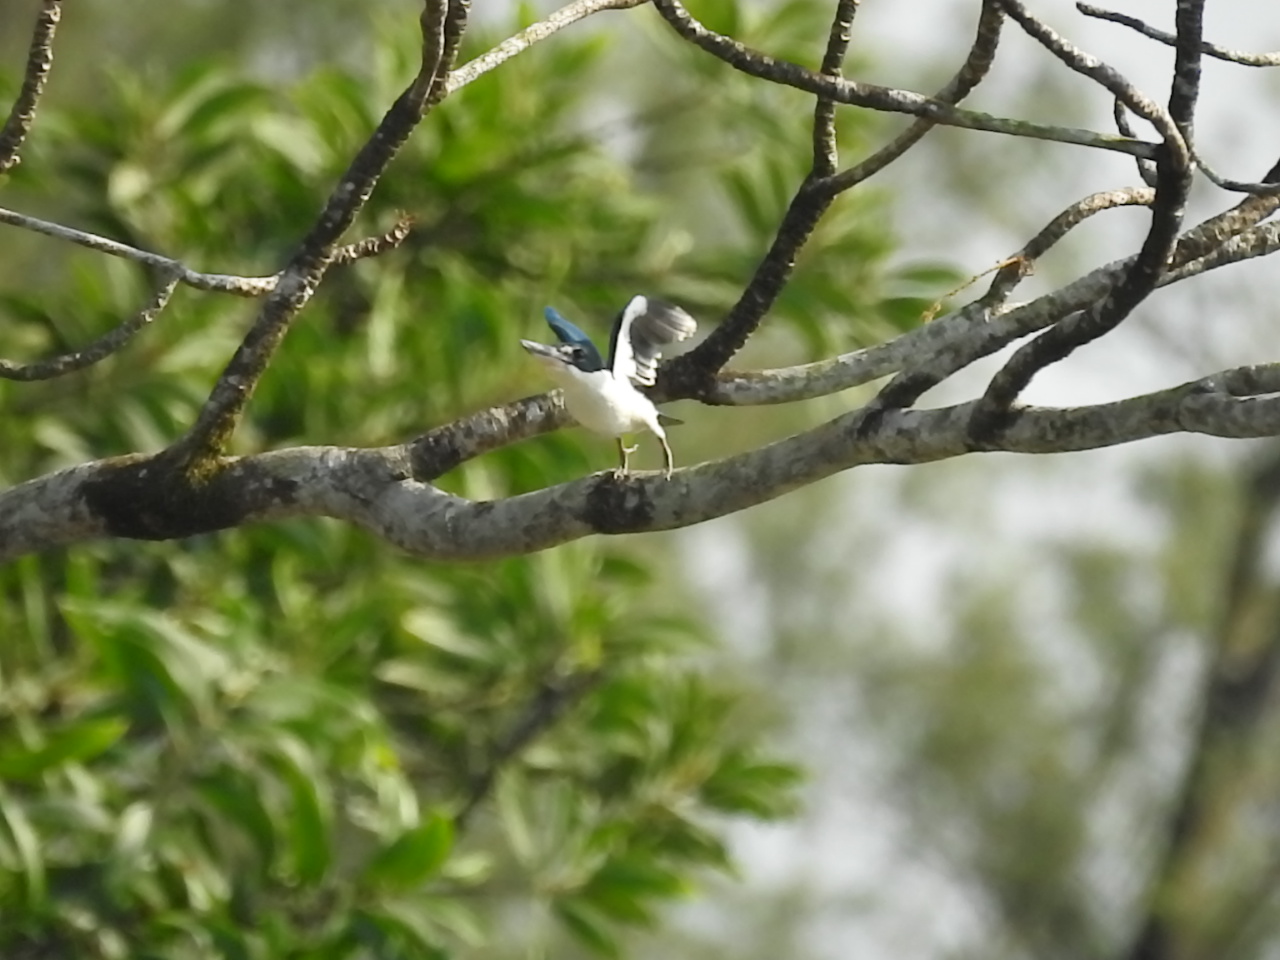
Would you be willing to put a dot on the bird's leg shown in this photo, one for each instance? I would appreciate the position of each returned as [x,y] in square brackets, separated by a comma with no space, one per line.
[667,460]
[624,453]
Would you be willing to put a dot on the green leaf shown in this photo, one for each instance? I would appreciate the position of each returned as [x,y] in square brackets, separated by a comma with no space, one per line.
[621,887]
[77,742]
[238,798]
[25,843]
[308,819]
[413,857]
[400,924]
[741,784]
[588,924]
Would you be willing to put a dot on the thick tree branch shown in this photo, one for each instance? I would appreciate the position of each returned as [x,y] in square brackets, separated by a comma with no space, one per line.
[135,497]
[39,63]
[440,450]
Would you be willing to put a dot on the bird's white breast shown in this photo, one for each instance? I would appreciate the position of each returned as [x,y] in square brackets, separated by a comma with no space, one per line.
[604,404]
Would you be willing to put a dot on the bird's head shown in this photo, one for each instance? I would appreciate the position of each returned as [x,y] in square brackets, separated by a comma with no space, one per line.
[575,348]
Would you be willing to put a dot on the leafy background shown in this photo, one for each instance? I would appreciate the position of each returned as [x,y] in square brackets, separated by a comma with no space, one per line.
[292,741]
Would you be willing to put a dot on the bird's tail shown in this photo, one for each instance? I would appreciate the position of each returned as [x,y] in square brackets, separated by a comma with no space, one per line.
[669,421]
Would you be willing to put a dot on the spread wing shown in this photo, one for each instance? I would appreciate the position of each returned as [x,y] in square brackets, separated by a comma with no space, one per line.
[641,331]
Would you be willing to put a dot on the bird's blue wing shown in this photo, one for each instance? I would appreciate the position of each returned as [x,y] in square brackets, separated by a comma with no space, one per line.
[641,331]
[570,333]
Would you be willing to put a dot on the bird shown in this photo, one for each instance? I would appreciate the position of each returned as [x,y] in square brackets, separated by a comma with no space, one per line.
[603,397]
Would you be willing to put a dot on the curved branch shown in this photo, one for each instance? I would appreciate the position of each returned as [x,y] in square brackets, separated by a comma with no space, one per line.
[101,348]
[145,498]
[922,375]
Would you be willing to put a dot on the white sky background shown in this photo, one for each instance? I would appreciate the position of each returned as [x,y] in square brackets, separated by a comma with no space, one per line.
[886,899]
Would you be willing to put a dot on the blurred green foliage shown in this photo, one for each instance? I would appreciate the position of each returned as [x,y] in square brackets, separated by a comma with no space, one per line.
[295,742]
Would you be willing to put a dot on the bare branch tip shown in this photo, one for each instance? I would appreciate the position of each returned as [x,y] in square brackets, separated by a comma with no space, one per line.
[39,63]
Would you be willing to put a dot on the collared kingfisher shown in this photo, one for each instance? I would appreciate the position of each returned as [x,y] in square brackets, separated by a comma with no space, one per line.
[603,396]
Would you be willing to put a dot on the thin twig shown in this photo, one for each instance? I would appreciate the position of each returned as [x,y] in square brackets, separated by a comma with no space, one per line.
[1235,186]
[885,99]
[39,63]
[548,705]
[374,246]
[1207,236]
[974,70]
[214,282]
[101,348]
[1146,169]
[825,150]
[1207,48]
[911,383]
[522,41]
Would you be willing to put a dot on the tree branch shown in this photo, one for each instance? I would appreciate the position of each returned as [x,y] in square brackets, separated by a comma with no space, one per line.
[918,378]
[692,375]
[555,697]
[133,497]
[568,14]
[935,350]
[101,348]
[1173,184]
[211,282]
[443,22]
[826,156]
[884,99]
[1207,48]
[39,63]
